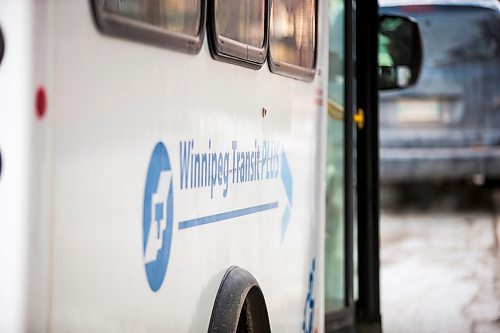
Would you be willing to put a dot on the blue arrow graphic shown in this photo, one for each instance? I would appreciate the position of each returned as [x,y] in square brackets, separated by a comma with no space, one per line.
[286,178]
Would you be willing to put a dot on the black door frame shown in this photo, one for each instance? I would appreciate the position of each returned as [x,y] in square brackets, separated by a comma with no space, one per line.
[368,318]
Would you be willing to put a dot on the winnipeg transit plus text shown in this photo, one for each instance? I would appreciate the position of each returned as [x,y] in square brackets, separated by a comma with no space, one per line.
[216,169]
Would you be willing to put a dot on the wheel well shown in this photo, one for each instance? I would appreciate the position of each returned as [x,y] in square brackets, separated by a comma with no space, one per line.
[239,305]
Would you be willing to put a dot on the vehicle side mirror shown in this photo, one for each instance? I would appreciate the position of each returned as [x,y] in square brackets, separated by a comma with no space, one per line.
[399,52]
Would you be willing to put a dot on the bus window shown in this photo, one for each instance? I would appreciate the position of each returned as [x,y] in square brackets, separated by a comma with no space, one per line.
[239,31]
[293,38]
[176,24]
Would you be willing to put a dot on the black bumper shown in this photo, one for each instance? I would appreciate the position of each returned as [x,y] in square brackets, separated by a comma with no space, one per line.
[438,164]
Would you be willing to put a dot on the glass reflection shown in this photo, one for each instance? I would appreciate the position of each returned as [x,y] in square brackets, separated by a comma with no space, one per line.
[293,33]
[335,254]
[242,21]
[180,16]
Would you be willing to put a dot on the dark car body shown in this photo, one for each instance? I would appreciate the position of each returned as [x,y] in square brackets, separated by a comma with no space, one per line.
[446,127]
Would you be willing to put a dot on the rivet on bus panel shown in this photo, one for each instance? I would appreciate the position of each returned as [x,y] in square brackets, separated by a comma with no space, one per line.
[40,102]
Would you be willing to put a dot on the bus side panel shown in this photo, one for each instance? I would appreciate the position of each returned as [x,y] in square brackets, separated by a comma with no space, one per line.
[15,124]
[115,101]
[25,181]
[323,49]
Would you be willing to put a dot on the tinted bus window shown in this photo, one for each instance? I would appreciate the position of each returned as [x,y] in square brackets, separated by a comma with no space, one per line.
[242,21]
[237,31]
[180,16]
[292,34]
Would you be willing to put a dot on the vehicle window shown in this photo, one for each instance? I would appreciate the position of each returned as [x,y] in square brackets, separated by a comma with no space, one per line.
[335,255]
[456,33]
[242,21]
[173,24]
[239,31]
[292,34]
[181,16]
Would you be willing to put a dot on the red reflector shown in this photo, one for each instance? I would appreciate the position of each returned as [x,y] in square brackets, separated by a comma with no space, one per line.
[40,102]
[417,9]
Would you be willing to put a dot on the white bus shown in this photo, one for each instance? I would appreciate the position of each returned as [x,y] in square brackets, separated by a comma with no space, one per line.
[162,165]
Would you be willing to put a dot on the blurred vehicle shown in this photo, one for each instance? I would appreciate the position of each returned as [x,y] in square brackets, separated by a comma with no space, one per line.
[447,127]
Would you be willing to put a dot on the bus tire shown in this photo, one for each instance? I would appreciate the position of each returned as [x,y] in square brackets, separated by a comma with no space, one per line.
[239,305]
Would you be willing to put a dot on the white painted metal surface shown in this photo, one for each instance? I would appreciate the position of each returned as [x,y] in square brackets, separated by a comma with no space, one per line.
[73,185]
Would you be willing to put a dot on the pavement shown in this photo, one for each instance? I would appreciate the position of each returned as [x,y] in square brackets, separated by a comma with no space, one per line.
[440,259]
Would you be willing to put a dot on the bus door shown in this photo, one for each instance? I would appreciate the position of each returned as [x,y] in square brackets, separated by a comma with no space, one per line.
[339,233]
[352,297]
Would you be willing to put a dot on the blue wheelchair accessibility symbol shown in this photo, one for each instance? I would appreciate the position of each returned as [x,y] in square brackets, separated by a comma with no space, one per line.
[158,215]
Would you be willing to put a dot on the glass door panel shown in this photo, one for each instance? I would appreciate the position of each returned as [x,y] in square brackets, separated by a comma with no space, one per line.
[335,256]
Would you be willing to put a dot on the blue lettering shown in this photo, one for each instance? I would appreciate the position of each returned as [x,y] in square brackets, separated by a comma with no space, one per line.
[226,174]
[184,161]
